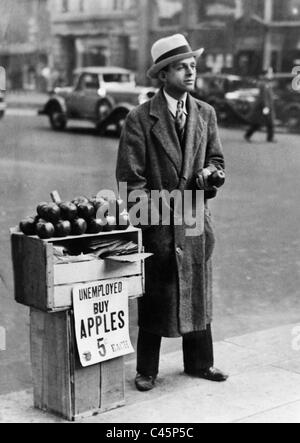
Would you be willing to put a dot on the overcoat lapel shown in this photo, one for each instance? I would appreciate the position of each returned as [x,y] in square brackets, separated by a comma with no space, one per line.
[165,132]
[194,134]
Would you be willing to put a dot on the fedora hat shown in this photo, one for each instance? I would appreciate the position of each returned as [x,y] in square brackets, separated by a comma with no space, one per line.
[169,50]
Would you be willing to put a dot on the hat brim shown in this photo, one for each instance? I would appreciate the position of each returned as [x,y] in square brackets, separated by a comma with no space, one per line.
[157,67]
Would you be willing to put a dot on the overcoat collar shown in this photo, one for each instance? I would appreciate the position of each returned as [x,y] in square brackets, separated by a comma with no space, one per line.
[165,132]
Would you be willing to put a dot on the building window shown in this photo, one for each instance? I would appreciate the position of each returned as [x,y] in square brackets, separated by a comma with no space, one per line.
[65,6]
[287,10]
[169,12]
[214,9]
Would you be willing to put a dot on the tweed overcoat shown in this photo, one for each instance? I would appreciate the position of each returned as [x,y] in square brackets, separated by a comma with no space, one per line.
[178,298]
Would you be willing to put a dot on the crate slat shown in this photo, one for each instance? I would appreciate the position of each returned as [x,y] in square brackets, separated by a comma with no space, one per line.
[93,270]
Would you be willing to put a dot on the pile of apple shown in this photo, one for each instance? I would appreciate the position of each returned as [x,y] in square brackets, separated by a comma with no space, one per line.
[77,217]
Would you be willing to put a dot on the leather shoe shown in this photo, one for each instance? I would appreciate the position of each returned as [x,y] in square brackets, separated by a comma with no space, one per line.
[144,383]
[211,374]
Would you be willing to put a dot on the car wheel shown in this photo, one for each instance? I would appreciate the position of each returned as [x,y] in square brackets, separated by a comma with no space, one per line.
[57,118]
[120,122]
[104,110]
[1,114]
[292,120]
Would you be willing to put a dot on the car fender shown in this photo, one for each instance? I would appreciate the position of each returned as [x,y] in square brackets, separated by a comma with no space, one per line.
[60,101]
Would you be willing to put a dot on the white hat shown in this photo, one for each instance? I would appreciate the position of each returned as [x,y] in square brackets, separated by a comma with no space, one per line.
[169,50]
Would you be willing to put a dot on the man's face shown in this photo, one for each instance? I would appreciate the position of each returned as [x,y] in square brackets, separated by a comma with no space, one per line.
[180,76]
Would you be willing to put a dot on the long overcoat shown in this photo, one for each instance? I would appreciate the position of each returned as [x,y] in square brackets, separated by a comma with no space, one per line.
[178,298]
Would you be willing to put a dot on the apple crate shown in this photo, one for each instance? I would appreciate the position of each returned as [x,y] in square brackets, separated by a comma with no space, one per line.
[46,286]
[61,385]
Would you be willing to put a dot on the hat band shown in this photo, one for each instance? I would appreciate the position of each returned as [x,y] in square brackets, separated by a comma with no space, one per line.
[178,51]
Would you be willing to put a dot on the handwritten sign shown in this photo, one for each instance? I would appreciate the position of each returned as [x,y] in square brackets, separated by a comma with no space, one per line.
[101,321]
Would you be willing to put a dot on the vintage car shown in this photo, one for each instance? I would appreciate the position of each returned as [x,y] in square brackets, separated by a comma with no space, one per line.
[102,95]
[286,99]
[2,104]
[214,89]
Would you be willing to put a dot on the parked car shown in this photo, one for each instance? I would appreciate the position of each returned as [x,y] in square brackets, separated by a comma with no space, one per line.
[213,89]
[287,101]
[2,104]
[102,95]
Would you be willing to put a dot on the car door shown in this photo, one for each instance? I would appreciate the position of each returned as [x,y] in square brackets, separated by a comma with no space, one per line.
[84,99]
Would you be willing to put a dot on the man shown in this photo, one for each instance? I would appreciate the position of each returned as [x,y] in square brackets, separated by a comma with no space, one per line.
[263,113]
[172,143]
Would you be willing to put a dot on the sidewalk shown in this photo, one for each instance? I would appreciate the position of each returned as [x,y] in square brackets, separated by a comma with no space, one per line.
[264,387]
[26,100]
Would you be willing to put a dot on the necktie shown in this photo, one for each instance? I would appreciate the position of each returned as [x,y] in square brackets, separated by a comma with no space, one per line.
[180,120]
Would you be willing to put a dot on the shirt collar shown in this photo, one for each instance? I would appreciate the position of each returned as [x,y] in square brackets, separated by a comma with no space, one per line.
[172,104]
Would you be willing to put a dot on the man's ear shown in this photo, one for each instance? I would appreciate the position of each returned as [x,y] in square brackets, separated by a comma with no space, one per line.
[162,75]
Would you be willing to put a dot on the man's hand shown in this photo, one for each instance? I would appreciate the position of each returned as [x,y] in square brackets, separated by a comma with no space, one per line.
[266,111]
[203,182]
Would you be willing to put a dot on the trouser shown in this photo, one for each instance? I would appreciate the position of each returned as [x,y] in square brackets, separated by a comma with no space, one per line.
[197,352]
[256,127]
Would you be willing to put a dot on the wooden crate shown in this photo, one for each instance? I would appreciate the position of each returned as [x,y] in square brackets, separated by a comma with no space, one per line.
[61,385]
[41,284]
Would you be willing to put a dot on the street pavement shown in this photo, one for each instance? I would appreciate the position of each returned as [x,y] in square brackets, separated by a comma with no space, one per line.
[264,387]
[256,219]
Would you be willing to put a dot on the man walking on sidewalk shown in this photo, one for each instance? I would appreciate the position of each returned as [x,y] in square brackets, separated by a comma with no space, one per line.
[263,114]
[172,143]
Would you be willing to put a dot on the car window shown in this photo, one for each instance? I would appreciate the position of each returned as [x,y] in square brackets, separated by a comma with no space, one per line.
[89,81]
[117,78]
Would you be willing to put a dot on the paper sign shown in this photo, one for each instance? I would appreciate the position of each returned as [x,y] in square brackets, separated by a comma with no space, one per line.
[102,321]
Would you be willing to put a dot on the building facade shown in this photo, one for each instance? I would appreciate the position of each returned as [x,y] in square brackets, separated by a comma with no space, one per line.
[239,36]
[94,32]
[25,43]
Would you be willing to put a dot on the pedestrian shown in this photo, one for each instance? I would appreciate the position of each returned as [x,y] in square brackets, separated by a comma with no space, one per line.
[263,113]
[172,143]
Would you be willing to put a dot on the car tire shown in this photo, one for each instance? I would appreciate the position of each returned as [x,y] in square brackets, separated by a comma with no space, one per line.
[58,120]
[104,109]
[120,122]
[1,114]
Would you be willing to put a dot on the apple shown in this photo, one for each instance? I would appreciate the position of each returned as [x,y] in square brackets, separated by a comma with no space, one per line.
[45,230]
[86,210]
[68,211]
[52,213]
[123,222]
[96,226]
[63,228]
[110,223]
[41,209]
[102,208]
[28,226]
[80,199]
[79,226]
